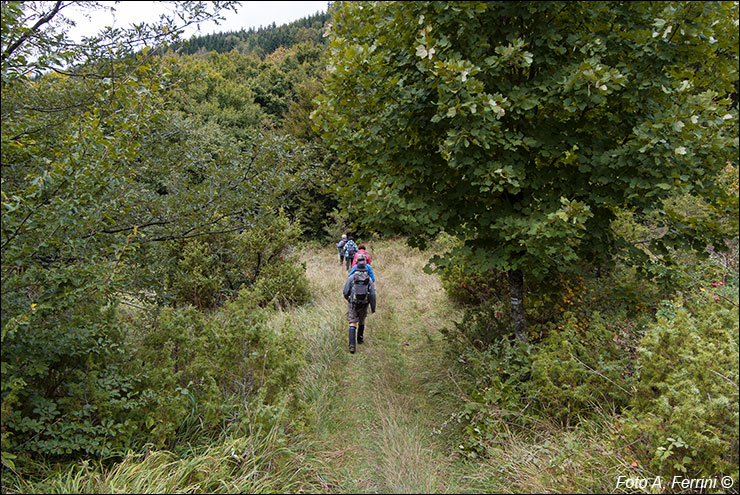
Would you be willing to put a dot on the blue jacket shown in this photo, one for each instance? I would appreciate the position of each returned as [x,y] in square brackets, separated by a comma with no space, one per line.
[369,272]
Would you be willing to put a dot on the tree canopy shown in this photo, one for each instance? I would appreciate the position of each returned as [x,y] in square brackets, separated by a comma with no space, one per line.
[520,127]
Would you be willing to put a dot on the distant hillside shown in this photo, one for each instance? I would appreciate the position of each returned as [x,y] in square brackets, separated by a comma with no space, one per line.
[262,41]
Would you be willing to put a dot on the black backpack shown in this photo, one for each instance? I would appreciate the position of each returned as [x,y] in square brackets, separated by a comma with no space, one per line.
[360,292]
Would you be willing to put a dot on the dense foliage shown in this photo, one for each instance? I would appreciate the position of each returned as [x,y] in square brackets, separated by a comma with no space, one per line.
[162,184]
[580,159]
[684,418]
[521,127]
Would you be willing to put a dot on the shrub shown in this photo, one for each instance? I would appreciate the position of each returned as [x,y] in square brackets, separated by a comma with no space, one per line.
[196,277]
[173,355]
[495,396]
[581,365]
[66,392]
[481,325]
[579,369]
[493,367]
[283,284]
[203,372]
[474,288]
[208,271]
[684,416]
[335,226]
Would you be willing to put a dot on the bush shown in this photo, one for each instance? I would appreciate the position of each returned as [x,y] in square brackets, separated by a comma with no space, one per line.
[283,284]
[474,288]
[196,277]
[577,365]
[684,416]
[581,366]
[202,372]
[206,272]
[66,392]
[494,368]
[335,226]
[495,396]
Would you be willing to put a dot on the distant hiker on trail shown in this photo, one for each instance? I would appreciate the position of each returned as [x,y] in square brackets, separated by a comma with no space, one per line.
[359,291]
[363,258]
[361,249]
[340,248]
[350,248]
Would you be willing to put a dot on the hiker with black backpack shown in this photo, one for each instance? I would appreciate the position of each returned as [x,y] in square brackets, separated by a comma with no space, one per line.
[367,266]
[350,248]
[340,248]
[359,291]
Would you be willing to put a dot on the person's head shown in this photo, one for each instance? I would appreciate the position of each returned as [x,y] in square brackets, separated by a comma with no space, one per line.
[350,238]
[361,260]
[361,246]
[344,236]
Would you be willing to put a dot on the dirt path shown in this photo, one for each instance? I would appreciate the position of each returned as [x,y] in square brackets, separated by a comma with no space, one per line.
[374,413]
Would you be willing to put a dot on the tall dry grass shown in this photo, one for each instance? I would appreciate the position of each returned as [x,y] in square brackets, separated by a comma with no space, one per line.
[257,463]
[370,410]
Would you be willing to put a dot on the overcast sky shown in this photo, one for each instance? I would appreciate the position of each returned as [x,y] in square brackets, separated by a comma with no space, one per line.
[249,14]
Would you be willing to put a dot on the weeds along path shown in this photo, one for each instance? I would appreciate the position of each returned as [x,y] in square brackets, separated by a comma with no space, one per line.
[374,413]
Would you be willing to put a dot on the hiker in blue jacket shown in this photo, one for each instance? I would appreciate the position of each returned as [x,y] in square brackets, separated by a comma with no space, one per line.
[359,291]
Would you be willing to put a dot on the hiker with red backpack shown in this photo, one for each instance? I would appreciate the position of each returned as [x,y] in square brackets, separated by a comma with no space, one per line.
[361,249]
[359,291]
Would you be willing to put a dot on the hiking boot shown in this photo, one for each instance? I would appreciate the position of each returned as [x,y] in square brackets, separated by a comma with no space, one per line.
[352,340]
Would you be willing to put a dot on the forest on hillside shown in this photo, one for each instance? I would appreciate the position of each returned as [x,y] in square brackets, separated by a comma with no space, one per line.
[566,172]
[262,41]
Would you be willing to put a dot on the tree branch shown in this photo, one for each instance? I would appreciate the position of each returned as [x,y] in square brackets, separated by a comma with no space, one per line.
[14,46]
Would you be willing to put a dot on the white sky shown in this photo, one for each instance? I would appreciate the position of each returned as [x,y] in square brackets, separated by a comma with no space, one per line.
[249,14]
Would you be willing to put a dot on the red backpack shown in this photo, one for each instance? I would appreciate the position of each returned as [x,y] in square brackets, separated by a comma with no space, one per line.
[363,252]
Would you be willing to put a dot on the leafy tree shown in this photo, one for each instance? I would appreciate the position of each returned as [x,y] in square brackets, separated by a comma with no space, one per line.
[86,175]
[131,174]
[520,127]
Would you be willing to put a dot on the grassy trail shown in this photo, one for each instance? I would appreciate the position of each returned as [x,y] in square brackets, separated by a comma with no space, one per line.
[375,416]
[374,413]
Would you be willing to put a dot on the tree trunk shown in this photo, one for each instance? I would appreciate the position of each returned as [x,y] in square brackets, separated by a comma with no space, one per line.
[518,316]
